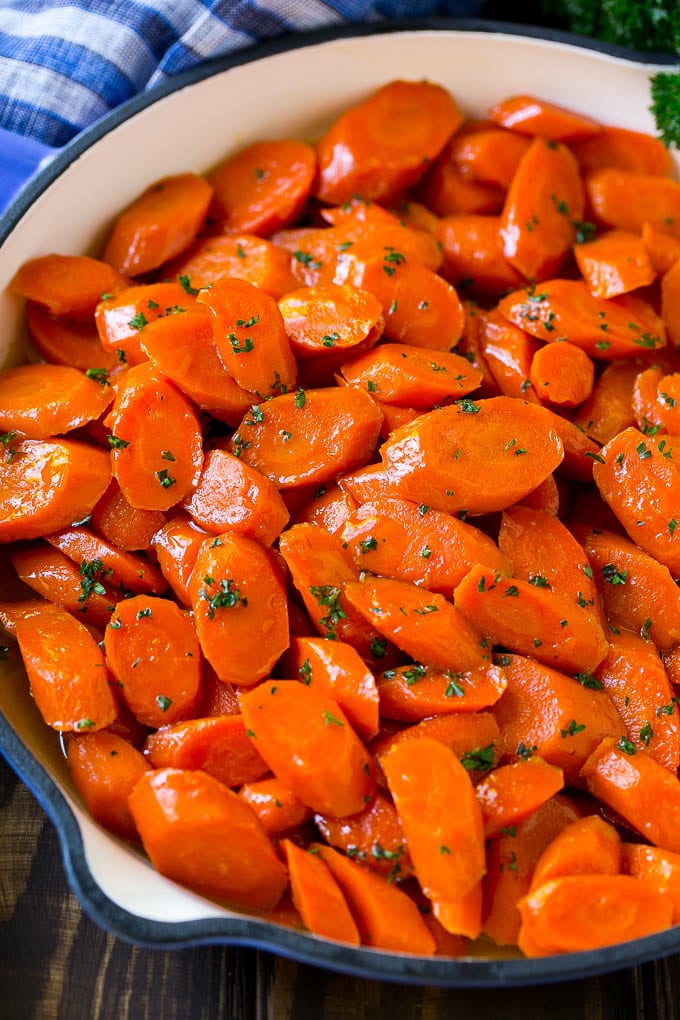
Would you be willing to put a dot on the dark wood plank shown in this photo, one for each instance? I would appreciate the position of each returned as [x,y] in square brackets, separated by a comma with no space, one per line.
[55,964]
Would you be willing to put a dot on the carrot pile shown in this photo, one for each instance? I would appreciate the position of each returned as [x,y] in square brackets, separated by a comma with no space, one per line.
[344,489]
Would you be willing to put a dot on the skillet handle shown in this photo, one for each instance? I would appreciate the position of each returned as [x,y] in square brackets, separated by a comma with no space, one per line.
[20,159]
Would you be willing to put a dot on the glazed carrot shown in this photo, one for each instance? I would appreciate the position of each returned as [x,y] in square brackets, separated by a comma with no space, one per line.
[548,497]
[199,833]
[62,341]
[604,328]
[574,717]
[655,400]
[310,436]
[608,410]
[121,569]
[509,794]
[183,348]
[489,154]
[66,284]
[307,741]
[369,483]
[461,917]
[396,538]
[588,846]
[314,253]
[562,374]
[663,249]
[580,452]
[386,917]
[473,254]
[240,255]
[628,200]
[509,352]
[152,650]
[46,485]
[633,676]
[45,400]
[373,836]
[11,613]
[337,668]
[330,506]
[471,347]
[670,292]
[422,623]
[123,525]
[580,912]
[638,592]
[218,745]
[231,496]
[239,606]
[158,465]
[415,692]
[363,154]
[411,376]
[642,791]
[274,803]
[614,263]
[435,460]
[544,202]
[622,149]
[659,868]
[67,672]
[104,769]
[77,589]
[511,859]
[317,896]
[447,191]
[263,187]
[158,225]
[530,115]
[121,318]
[330,318]
[359,220]
[420,307]
[637,477]
[445,843]
[219,697]
[472,736]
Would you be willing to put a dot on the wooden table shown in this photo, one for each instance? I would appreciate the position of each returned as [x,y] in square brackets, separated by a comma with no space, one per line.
[56,965]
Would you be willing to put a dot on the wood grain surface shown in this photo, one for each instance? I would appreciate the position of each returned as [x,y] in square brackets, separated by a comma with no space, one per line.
[55,964]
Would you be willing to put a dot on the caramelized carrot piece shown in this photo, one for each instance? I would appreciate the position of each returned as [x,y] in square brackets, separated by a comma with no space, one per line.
[314,253]
[121,569]
[511,793]
[158,225]
[628,200]
[66,284]
[21,609]
[490,155]
[435,460]
[307,741]
[461,916]
[670,292]
[415,692]
[309,437]
[659,868]
[622,149]
[614,263]
[473,254]
[588,846]
[241,255]
[543,204]
[373,836]
[562,374]
[239,605]
[275,804]
[199,833]
[232,496]
[410,376]
[123,525]
[330,506]
[530,115]
[152,650]
[218,745]
[158,465]
[317,896]
[548,497]
[47,485]
[45,400]
[654,400]
[77,589]
[468,735]
[361,220]
[363,154]
[386,917]
[67,672]
[608,410]
[663,249]
[105,769]
[330,318]
[447,190]
[63,341]
[508,352]
[121,318]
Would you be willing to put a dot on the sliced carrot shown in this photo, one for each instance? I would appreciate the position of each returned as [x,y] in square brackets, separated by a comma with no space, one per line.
[471,347]
[239,605]
[11,613]
[66,284]
[219,696]
[415,692]
[373,836]
[396,538]
[530,115]
[45,400]
[47,485]
[364,153]
[121,318]
[490,155]
[78,589]
[232,496]
[218,745]
[435,460]
[659,868]
[548,497]
[318,897]
[663,249]
[580,452]
[509,353]
[121,569]
[307,741]
[63,341]
[446,843]
[314,253]
[337,668]
[361,220]
[670,292]
[544,203]
[562,374]
[158,225]
[104,769]
[309,437]
[275,804]
[473,254]
[410,376]
[386,917]
[461,916]
[468,735]
[199,833]
[447,190]
[655,401]
[123,525]
[627,200]
[153,652]
[511,793]
[158,465]
[588,846]
[330,506]
[369,483]
[67,672]
[242,255]
[608,410]
[330,318]
[623,149]
[614,263]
